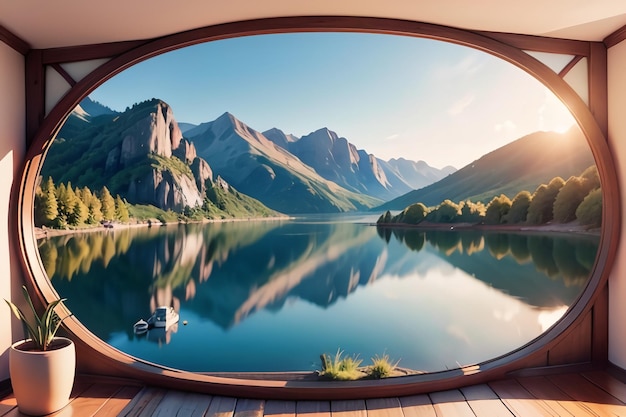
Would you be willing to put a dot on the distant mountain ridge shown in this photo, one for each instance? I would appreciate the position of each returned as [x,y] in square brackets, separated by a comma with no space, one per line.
[94,108]
[260,168]
[336,159]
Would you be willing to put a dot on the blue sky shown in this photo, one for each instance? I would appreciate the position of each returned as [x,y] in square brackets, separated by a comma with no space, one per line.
[390,95]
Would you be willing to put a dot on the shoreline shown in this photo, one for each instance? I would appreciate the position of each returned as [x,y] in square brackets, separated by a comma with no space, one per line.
[572,227]
[46,232]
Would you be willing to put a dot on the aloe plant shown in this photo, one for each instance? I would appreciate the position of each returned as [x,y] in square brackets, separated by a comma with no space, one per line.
[41,330]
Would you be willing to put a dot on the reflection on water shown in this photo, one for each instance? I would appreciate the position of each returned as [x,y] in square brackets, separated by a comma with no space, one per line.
[273,296]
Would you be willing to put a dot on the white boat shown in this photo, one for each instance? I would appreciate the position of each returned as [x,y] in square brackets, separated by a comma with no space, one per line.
[141,326]
[163,317]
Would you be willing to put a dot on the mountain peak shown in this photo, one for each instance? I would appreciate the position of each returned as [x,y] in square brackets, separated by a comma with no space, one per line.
[280,138]
[324,132]
[227,115]
[91,108]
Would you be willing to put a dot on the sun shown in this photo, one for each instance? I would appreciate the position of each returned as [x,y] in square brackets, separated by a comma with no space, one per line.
[554,115]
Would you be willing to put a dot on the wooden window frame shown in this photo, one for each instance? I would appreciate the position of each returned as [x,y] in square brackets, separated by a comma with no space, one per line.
[580,337]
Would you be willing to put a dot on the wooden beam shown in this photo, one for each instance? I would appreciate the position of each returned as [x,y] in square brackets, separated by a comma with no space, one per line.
[67,77]
[540,44]
[616,37]
[14,41]
[570,65]
[600,329]
[35,94]
[87,52]
[598,86]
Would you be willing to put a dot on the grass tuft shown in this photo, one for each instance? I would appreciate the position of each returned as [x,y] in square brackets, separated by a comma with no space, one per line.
[339,367]
[381,367]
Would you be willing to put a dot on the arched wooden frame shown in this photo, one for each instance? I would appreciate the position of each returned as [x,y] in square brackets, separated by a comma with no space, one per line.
[585,322]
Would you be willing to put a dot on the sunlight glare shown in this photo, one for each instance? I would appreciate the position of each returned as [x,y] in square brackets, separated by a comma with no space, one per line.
[549,317]
[554,116]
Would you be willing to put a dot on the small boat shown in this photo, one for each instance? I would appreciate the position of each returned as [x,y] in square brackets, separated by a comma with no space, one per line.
[163,317]
[141,326]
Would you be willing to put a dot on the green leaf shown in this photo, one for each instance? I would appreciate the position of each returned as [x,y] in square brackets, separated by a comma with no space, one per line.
[43,329]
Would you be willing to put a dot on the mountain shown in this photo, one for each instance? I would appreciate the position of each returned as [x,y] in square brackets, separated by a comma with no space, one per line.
[521,165]
[254,164]
[418,174]
[94,108]
[184,127]
[141,155]
[280,138]
[336,159]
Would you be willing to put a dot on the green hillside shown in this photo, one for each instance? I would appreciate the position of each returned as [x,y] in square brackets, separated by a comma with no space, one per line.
[88,152]
[521,165]
[80,151]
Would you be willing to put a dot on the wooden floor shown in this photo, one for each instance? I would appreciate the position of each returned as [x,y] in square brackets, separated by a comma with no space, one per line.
[593,393]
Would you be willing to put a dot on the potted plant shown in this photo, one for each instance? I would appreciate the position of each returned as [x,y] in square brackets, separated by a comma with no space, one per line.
[41,367]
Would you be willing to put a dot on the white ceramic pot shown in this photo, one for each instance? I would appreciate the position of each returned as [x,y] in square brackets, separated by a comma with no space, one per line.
[42,381]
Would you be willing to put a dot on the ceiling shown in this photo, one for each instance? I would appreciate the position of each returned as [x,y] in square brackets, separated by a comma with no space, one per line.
[48,24]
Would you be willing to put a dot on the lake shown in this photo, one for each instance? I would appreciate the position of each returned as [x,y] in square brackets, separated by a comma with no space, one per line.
[274,295]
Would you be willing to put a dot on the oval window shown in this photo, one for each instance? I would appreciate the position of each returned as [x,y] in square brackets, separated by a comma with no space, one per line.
[295,202]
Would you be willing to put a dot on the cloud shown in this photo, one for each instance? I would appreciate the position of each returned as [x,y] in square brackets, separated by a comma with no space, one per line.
[461,104]
[392,137]
[463,68]
[505,127]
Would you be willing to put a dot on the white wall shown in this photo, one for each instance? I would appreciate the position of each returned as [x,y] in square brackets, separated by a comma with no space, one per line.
[617,142]
[12,133]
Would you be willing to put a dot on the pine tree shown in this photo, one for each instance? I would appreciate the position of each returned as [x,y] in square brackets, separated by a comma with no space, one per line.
[46,208]
[48,185]
[94,212]
[121,211]
[65,202]
[108,204]
[50,208]
[79,213]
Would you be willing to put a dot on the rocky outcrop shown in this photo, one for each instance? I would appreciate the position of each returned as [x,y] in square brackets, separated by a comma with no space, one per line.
[150,130]
[156,132]
[202,173]
[165,190]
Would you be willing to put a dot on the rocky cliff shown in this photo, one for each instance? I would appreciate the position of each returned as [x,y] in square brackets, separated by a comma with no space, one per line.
[149,130]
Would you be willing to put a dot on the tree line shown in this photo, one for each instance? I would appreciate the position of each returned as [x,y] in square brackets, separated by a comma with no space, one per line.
[65,206]
[579,198]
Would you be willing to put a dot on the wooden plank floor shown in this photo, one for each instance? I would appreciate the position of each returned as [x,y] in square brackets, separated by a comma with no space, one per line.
[586,394]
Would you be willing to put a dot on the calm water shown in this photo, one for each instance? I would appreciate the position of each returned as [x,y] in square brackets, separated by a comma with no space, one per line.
[273,296]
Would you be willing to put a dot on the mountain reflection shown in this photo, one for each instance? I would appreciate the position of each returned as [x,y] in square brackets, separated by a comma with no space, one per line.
[227,272]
